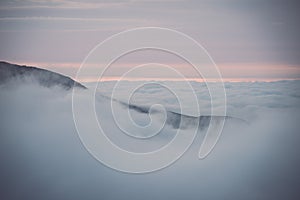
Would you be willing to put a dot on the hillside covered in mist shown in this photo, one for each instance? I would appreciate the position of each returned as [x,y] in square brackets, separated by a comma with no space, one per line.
[19,74]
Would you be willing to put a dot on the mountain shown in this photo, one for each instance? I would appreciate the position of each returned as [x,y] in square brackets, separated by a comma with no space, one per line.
[46,78]
[179,120]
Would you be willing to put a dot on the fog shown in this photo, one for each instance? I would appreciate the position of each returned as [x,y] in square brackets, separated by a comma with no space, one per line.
[42,156]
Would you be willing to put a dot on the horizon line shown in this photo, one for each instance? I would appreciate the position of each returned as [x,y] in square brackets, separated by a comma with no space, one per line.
[249,79]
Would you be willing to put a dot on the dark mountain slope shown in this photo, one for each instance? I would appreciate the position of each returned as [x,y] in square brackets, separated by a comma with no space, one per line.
[182,121]
[46,78]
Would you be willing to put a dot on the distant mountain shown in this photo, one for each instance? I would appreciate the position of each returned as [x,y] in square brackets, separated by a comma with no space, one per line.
[179,120]
[46,78]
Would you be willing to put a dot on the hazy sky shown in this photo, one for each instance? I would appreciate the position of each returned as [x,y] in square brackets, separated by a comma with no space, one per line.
[246,38]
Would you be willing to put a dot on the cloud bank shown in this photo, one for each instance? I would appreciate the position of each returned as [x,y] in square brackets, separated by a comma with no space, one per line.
[42,156]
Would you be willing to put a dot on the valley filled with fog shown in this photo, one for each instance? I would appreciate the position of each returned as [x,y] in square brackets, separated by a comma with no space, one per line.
[256,157]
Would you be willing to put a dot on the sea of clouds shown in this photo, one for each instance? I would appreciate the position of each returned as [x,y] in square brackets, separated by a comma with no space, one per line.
[42,156]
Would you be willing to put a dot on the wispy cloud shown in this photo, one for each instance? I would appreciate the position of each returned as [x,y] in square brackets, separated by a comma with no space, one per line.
[70,19]
[61,4]
[71,24]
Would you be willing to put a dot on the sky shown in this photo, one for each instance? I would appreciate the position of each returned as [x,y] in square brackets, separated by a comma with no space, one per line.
[254,39]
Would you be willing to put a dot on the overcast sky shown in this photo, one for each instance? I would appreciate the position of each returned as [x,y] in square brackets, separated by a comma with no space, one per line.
[246,38]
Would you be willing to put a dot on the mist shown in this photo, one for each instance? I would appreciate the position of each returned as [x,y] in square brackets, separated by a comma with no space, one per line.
[42,156]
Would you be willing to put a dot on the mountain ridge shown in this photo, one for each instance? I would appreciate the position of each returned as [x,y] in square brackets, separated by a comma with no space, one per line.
[46,78]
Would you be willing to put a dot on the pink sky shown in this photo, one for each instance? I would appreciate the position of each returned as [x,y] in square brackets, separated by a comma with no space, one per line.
[229,72]
[248,40]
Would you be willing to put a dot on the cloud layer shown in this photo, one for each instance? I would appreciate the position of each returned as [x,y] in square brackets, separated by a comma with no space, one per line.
[42,156]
